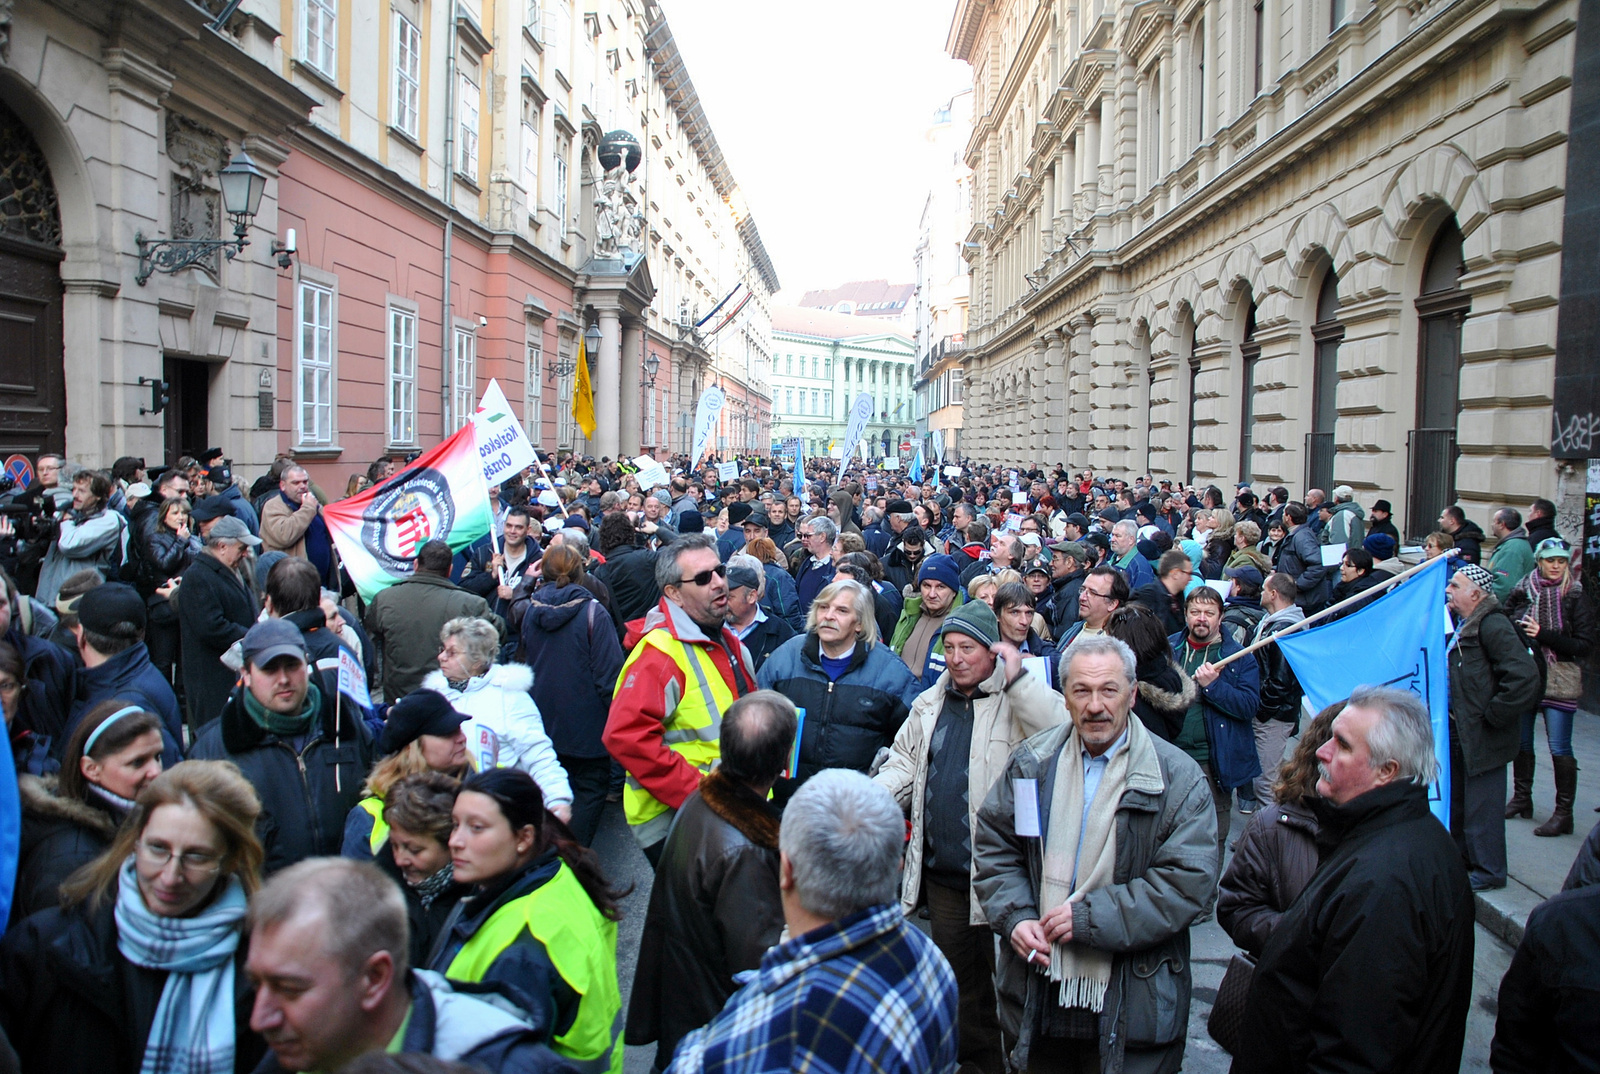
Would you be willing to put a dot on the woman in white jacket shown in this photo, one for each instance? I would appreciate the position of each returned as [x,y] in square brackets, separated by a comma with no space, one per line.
[504,729]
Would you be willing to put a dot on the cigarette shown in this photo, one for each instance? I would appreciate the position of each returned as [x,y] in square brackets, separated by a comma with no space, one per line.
[1031,956]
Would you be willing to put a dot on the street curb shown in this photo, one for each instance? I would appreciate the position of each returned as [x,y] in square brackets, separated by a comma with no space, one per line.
[1504,912]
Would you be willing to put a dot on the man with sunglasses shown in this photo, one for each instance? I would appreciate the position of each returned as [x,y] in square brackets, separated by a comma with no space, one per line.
[687,668]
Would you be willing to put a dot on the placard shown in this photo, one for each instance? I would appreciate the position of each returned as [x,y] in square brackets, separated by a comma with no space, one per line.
[1018,497]
[952,471]
[872,484]
[1223,586]
[1332,554]
[891,463]
[727,472]
[650,474]
[1025,799]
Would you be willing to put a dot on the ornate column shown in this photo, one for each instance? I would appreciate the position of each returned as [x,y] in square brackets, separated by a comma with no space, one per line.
[1055,397]
[630,343]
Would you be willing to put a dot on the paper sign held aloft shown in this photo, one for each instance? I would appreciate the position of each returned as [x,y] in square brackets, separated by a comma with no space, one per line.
[1332,554]
[952,471]
[727,472]
[1223,586]
[353,678]
[891,463]
[503,446]
[651,473]
[1019,497]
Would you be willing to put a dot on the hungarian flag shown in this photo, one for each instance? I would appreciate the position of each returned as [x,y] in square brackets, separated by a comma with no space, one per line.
[583,395]
[440,495]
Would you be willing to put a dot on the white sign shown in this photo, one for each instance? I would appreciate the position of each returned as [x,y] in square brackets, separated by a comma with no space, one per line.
[727,472]
[503,448]
[891,462]
[1018,497]
[1025,802]
[1332,554]
[1223,586]
[952,471]
[353,678]
[651,473]
[860,414]
[705,419]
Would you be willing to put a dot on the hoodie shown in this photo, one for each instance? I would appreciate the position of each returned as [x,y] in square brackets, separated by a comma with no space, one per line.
[572,648]
[1348,526]
[504,728]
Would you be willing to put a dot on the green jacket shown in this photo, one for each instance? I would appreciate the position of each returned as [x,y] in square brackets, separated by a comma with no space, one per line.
[1512,562]
[902,631]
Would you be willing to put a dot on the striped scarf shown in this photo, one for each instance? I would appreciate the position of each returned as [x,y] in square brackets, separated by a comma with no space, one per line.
[193,1031]
[434,886]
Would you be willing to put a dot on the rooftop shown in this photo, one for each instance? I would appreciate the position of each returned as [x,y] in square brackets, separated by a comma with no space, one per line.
[824,324]
[865,298]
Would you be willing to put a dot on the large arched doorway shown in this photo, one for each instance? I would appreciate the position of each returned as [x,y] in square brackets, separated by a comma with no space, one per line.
[33,410]
[1442,306]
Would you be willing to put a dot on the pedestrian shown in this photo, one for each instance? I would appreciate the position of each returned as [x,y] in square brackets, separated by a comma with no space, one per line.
[917,637]
[839,993]
[167,550]
[749,621]
[1014,612]
[1380,520]
[1164,595]
[1513,558]
[90,536]
[417,814]
[715,907]
[405,619]
[946,756]
[1068,568]
[570,645]
[1104,589]
[116,664]
[1494,683]
[1278,710]
[141,966]
[421,734]
[629,571]
[505,728]
[1371,966]
[304,754]
[1126,558]
[855,692]
[291,522]
[328,950]
[69,819]
[1347,524]
[685,671]
[1164,691]
[814,570]
[1546,1020]
[494,574]
[215,610]
[779,597]
[1550,606]
[1301,559]
[1093,887]
[542,918]
[1467,534]
[1218,730]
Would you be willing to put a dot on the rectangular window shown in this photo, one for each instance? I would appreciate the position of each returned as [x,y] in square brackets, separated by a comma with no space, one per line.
[816,401]
[407,74]
[402,376]
[788,401]
[464,380]
[319,36]
[650,417]
[827,403]
[566,429]
[788,365]
[559,181]
[1260,41]
[827,368]
[533,388]
[530,165]
[532,17]
[314,363]
[957,390]
[814,372]
[467,109]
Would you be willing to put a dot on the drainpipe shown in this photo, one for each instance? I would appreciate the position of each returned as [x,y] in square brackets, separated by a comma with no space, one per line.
[446,328]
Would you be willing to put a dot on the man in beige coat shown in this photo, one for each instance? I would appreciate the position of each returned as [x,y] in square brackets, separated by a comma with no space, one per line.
[285,518]
[954,744]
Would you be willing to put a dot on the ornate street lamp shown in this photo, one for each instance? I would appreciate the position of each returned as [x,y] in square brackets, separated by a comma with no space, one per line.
[652,364]
[242,186]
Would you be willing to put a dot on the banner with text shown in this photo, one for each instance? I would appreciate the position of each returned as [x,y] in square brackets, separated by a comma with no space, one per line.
[503,447]
[705,421]
[860,414]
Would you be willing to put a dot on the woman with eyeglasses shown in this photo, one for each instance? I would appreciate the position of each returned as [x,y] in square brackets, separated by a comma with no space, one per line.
[141,967]
[69,819]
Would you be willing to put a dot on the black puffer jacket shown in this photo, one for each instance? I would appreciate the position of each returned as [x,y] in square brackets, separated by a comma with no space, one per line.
[1272,863]
[1576,639]
[164,555]
[1371,967]
[1165,694]
[847,721]
[714,910]
[1301,559]
[1494,682]
[51,674]
[58,836]
[1549,994]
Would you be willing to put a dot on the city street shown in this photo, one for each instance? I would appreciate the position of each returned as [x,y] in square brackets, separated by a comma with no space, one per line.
[626,865]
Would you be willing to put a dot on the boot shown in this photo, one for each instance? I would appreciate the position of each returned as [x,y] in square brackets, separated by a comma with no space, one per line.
[1521,804]
[1560,822]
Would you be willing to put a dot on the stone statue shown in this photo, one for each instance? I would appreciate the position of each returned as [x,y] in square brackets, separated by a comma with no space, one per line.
[618,223]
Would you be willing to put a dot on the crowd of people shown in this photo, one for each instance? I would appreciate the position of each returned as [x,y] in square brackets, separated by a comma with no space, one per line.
[934,773]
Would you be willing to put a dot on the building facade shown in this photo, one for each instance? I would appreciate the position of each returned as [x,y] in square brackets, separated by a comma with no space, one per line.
[821,362]
[1289,241]
[940,306]
[888,303]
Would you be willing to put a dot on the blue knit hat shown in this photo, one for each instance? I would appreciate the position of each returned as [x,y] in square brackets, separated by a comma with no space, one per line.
[940,568]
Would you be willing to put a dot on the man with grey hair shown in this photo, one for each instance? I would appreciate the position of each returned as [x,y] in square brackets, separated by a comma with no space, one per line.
[1126,558]
[1093,853]
[1371,968]
[328,959]
[815,570]
[855,986]
[291,522]
[683,674]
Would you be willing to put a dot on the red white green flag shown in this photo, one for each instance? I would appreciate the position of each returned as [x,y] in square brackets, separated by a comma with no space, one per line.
[440,495]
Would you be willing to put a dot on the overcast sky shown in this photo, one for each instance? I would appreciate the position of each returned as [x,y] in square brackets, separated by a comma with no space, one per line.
[822,110]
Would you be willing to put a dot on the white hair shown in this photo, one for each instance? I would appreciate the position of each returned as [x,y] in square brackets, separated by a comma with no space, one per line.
[1403,734]
[1127,527]
[822,525]
[843,835]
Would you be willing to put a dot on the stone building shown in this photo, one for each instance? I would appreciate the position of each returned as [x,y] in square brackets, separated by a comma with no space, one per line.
[822,361]
[1295,242]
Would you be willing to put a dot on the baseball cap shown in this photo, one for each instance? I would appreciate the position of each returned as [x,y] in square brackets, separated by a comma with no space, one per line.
[270,639]
[757,518]
[219,475]
[106,607]
[234,530]
[743,576]
[421,712]
[1549,548]
[1248,575]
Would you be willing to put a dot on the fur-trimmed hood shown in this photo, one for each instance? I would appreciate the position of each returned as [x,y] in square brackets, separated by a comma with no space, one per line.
[755,819]
[517,678]
[1169,700]
[42,800]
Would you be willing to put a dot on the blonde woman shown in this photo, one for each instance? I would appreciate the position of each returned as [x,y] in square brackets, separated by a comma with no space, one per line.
[423,734]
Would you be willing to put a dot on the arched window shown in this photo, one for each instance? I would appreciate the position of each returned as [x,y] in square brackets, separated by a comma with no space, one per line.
[1325,334]
[1441,308]
[1249,355]
[1194,382]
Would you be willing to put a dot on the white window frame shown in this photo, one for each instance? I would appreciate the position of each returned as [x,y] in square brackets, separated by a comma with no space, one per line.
[467,126]
[407,75]
[319,36]
[533,386]
[464,372]
[319,323]
[400,398]
[558,183]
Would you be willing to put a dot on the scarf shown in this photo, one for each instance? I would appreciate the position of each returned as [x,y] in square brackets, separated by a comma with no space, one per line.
[193,1031]
[1084,972]
[119,805]
[278,723]
[318,543]
[1545,597]
[434,886]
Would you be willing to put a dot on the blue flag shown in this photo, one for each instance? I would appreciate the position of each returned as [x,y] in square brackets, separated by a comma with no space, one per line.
[1397,640]
[10,838]
[915,472]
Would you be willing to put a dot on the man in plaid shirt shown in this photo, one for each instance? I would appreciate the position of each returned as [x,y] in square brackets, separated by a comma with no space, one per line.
[855,987]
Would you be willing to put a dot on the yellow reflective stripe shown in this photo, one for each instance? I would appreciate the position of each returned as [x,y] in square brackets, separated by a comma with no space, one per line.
[380,827]
[693,729]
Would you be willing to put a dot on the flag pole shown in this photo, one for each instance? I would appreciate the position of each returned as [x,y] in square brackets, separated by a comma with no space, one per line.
[1312,620]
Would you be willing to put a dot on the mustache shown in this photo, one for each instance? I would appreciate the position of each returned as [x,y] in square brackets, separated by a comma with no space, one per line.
[1322,770]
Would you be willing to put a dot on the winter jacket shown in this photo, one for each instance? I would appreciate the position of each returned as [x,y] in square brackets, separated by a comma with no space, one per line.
[887,604]
[1064,602]
[1347,526]
[813,577]
[1571,644]
[1301,559]
[899,571]
[162,554]
[847,721]
[233,498]
[1551,991]
[1494,682]
[423,924]
[1135,568]
[1164,875]
[845,503]
[505,729]
[714,910]
[1280,690]
[765,637]
[1469,540]
[405,620]
[93,542]
[71,1003]
[630,574]
[781,598]
[214,611]
[1167,607]
[1511,562]
[1240,617]
[1371,967]
[1230,705]
[131,677]
[1250,557]
[51,675]
[522,595]
[58,835]
[1163,700]
[1272,862]
[1002,716]
[284,524]
[305,793]
[571,646]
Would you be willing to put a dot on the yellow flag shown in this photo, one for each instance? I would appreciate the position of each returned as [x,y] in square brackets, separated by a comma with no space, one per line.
[583,396]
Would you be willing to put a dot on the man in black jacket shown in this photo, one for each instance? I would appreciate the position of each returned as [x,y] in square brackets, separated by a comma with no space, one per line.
[214,611]
[1467,534]
[715,907]
[1068,567]
[1371,968]
[629,571]
[1301,559]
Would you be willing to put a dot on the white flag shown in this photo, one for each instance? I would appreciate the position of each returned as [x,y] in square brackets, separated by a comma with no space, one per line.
[705,420]
[503,447]
[860,414]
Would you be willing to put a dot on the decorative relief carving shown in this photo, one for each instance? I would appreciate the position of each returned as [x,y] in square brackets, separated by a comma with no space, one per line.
[28,206]
[198,153]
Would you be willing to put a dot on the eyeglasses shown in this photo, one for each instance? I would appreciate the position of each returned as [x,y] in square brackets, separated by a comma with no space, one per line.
[190,863]
[1091,593]
[704,577]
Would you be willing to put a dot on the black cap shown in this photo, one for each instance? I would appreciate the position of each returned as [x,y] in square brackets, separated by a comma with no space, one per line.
[219,475]
[1248,575]
[738,512]
[756,518]
[106,607]
[1077,519]
[898,507]
[211,453]
[421,712]
[208,508]
[1382,505]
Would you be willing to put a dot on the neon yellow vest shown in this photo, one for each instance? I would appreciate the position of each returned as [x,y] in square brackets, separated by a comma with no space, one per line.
[581,943]
[380,827]
[693,730]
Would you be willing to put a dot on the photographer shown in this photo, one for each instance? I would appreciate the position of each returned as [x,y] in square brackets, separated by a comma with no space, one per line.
[90,535]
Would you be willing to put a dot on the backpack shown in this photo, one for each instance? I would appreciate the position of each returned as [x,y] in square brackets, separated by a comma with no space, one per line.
[1241,621]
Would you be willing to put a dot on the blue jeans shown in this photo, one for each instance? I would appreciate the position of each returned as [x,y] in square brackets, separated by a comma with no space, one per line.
[1557,728]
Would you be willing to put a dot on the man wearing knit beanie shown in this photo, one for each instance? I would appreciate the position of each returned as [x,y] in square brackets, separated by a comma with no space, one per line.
[917,639]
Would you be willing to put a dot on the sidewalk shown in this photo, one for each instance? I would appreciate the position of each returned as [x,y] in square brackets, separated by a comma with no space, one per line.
[1538,866]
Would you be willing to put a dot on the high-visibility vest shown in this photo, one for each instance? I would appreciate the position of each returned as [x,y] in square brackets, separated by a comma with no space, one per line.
[582,945]
[380,827]
[693,730]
